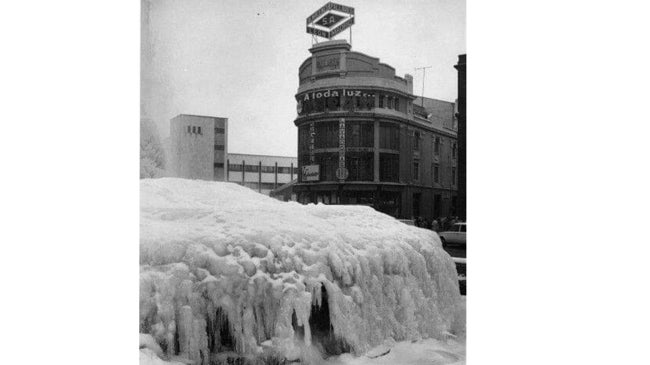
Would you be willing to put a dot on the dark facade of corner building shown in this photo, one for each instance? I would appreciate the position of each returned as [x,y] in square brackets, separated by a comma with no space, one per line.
[354,111]
[462,135]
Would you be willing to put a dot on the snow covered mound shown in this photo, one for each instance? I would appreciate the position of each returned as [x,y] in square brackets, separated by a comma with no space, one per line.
[226,271]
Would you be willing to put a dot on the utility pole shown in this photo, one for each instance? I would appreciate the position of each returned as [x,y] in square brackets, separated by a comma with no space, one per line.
[424,73]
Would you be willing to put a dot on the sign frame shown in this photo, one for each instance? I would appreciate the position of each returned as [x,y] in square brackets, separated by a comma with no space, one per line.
[325,10]
[310,173]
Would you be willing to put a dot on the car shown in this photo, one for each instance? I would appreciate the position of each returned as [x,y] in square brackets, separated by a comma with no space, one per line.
[409,222]
[455,236]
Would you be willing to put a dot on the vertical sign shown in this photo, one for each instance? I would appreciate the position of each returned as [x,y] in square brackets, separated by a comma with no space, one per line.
[342,172]
[312,134]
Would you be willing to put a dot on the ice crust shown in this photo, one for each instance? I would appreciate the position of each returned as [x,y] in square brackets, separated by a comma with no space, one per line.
[220,261]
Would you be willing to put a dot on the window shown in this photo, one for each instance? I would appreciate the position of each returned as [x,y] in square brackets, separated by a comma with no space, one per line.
[199,130]
[397,104]
[389,167]
[218,147]
[381,100]
[327,135]
[268,169]
[436,173]
[360,165]
[252,168]
[463,228]
[453,150]
[193,129]
[416,141]
[328,163]
[436,146]
[389,136]
[359,134]
[284,170]
[218,165]
[416,170]
[453,176]
[235,167]
[219,131]
[303,138]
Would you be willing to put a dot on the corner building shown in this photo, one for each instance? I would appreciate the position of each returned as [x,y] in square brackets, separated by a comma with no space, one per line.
[363,140]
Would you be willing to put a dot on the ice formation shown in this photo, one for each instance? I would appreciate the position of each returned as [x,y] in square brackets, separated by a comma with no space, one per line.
[225,272]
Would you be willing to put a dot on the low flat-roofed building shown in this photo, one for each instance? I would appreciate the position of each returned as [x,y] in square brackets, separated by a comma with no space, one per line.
[262,173]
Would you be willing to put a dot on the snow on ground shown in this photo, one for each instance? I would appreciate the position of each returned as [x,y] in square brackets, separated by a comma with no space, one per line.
[225,269]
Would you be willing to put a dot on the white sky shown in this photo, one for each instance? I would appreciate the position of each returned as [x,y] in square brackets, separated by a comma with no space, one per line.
[240,59]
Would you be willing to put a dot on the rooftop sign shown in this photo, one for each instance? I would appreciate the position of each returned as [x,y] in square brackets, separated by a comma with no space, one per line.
[321,22]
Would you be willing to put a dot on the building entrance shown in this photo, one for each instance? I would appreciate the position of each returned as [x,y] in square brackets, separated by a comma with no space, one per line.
[416,204]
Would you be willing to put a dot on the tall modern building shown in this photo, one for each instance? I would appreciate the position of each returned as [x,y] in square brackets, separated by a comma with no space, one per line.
[198,146]
[363,138]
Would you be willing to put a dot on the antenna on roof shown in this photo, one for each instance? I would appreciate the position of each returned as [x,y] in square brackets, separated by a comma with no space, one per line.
[424,73]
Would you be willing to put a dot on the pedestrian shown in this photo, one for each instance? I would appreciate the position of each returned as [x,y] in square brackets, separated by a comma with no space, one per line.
[435,225]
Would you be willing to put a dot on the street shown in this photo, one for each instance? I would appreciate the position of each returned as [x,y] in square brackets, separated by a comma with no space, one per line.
[457,251]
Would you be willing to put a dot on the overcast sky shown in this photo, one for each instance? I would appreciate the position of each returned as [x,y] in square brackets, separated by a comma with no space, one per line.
[239,59]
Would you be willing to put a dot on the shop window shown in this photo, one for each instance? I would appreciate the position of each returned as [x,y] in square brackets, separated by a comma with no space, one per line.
[389,136]
[389,167]
[359,134]
[328,162]
[303,138]
[360,166]
[327,135]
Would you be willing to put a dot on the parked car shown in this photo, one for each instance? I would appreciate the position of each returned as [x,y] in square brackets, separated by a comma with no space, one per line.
[410,222]
[455,236]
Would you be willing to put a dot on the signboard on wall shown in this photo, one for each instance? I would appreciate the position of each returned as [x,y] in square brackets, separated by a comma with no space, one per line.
[311,173]
[312,141]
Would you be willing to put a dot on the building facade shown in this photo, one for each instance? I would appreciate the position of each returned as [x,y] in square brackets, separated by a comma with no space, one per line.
[198,146]
[364,139]
[261,173]
[461,115]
